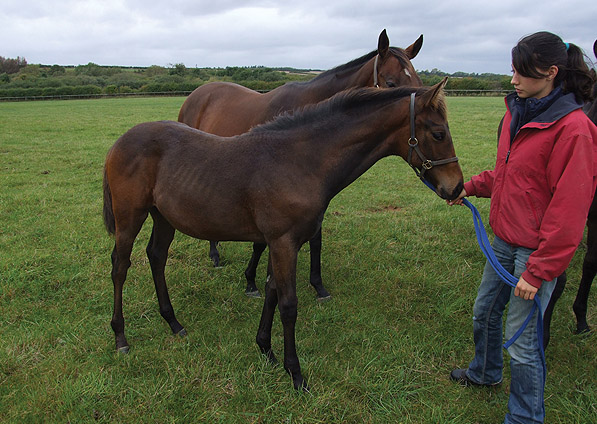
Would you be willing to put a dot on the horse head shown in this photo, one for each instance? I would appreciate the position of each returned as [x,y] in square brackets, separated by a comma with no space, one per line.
[392,65]
[430,148]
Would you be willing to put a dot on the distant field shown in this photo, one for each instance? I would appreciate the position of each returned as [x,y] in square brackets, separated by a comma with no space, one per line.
[403,269]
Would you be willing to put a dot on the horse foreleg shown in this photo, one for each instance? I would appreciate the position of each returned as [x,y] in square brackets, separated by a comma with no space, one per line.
[283,254]
[315,274]
[162,235]
[557,292]
[214,255]
[251,271]
[264,333]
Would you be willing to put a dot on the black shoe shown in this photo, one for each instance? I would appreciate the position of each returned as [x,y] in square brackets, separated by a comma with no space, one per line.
[459,375]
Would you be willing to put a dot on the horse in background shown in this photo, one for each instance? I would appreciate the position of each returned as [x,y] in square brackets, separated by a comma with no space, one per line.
[243,188]
[589,268]
[228,109]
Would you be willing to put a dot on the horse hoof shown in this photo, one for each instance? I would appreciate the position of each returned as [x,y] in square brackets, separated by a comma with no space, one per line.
[301,386]
[583,329]
[253,294]
[324,299]
[182,333]
[124,350]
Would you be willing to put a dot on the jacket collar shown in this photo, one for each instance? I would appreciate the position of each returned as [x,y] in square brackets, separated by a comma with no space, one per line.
[539,113]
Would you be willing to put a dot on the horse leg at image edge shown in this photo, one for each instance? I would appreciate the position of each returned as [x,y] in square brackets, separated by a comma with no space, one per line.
[557,292]
[589,270]
[162,235]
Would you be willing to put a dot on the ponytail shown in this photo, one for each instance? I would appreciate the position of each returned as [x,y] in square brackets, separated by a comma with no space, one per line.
[578,78]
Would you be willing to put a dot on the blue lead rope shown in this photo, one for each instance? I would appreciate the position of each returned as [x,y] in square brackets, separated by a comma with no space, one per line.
[508,278]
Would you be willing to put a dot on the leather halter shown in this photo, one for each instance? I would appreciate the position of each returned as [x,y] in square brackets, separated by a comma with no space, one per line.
[413,145]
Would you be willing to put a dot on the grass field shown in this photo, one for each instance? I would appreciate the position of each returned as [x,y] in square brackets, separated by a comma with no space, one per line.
[403,269]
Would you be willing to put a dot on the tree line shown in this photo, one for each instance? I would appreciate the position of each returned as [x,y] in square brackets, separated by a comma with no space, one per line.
[18,79]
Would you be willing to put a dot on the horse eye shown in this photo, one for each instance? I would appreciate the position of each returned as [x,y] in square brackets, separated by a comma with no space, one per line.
[390,84]
[439,136]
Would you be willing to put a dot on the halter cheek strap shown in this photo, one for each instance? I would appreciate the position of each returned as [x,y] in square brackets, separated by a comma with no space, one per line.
[413,145]
[375,81]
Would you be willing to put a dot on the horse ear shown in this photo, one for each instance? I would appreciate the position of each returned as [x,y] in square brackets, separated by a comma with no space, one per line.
[435,95]
[383,44]
[413,50]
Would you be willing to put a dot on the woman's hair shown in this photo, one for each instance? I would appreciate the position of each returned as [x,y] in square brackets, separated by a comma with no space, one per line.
[538,52]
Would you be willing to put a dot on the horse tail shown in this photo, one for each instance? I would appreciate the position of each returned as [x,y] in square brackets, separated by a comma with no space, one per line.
[109,220]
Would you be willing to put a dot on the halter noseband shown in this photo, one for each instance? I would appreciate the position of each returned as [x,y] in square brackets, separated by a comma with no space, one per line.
[413,144]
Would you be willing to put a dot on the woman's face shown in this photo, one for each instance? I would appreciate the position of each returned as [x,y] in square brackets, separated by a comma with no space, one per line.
[527,87]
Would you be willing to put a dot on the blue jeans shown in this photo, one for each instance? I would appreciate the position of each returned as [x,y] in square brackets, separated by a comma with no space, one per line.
[526,404]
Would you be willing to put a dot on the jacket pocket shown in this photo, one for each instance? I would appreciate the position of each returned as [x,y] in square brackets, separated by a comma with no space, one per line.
[535,212]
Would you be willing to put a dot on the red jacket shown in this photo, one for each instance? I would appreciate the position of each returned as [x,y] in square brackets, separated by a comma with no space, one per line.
[542,185]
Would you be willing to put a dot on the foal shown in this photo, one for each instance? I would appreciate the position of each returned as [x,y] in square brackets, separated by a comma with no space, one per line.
[272,185]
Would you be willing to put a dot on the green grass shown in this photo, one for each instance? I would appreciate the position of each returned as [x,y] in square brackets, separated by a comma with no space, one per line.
[403,269]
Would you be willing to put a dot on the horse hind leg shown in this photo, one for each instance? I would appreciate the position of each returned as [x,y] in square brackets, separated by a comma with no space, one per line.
[162,235]
[121,261]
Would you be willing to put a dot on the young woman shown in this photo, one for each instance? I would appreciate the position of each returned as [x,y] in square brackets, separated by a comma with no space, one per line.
[541,189]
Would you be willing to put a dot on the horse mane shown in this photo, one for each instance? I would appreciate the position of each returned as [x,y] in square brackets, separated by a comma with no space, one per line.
[356,63]
[346,101]
[341,70]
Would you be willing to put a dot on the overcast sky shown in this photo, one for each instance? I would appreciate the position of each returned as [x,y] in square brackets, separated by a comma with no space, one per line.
[459,35]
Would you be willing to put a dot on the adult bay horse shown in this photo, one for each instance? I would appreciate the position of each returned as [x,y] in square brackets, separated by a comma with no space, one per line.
[589,267]
[228,109]
[204,186]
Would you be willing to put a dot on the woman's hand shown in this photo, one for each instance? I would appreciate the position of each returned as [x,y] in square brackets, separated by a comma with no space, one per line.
[525,290]
[458,200]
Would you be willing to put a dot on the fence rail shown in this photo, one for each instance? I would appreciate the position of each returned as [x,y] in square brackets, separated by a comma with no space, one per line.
[475,93]
[94,96]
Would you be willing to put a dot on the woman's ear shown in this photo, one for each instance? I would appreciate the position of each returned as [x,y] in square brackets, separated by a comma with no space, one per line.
[552,72]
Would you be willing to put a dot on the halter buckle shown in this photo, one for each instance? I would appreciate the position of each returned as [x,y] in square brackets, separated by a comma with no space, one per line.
[427,165]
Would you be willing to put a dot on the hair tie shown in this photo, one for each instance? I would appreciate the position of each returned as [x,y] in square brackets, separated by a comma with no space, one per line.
[567,46]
